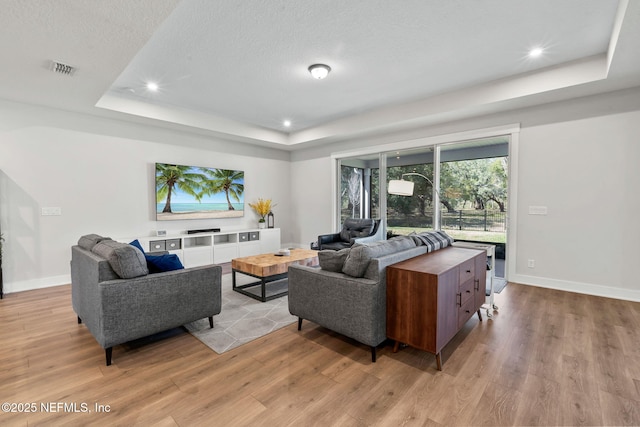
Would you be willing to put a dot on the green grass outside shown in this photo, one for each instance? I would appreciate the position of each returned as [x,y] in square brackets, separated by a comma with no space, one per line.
[477,236]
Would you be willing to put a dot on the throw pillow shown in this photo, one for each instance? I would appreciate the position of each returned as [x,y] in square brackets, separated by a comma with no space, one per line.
[88,241]
[333,260]
[127,261]
[137,244]
[162,263]
[357,261]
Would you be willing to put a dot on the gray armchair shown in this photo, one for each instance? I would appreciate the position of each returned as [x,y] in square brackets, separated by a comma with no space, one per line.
[360,230]
[117,299]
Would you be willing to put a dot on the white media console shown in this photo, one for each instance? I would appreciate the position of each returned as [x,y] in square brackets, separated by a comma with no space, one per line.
[215,248]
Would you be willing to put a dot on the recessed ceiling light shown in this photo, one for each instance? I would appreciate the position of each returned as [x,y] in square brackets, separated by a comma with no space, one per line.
[287,123]
[319,71]
[535,52]
[153,87]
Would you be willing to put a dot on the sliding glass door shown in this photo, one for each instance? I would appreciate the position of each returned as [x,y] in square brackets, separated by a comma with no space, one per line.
[458,187]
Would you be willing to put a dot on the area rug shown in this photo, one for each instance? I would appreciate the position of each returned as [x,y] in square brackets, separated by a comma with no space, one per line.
[242,319]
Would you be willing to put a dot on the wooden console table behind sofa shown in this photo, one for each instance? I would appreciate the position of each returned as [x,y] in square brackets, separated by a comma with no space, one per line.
[431,297]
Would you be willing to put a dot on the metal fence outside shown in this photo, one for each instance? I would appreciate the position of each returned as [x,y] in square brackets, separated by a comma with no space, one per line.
[476,220]
[464,219]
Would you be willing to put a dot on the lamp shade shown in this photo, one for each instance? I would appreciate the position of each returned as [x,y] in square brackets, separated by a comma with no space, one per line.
[400,187]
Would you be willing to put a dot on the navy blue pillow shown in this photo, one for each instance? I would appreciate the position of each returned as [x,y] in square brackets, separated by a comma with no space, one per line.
[137,245]
[161,263]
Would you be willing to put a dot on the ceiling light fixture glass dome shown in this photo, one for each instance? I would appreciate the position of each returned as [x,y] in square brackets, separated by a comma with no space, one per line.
[319,71]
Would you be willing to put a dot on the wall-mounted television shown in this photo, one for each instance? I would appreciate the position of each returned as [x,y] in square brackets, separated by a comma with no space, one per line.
[194,192]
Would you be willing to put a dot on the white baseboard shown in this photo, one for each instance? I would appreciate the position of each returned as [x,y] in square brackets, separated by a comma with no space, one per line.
[29,285]
[578,287]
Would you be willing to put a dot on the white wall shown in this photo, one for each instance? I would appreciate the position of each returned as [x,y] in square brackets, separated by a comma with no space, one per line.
[311,203]
[586,173]
[100,172]
[578,158]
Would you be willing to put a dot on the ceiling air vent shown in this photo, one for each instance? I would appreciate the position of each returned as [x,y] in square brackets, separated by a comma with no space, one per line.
[59,67]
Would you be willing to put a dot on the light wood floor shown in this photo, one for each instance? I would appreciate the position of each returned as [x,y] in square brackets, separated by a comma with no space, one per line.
[546,358]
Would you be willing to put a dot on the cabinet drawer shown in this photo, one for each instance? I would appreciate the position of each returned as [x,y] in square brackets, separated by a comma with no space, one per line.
[157,245]
[467,270]
[172,244]
[243,237]
[254,235]
[467,291]
[465,312]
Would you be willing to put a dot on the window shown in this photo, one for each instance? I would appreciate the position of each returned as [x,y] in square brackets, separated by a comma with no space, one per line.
[469,200]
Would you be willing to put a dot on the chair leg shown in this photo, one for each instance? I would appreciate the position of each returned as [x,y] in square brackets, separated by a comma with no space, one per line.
[299,323]
[79,320]
[373,354]
[108,352]
[211,321]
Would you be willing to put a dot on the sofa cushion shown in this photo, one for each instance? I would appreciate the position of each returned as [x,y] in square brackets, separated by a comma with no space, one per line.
[162,263]
[433,240]
[126,260]
[333,260]
[88,241]
[386,247]
[358,259]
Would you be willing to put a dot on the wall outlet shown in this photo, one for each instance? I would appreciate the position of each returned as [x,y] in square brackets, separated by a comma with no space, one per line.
[531,263]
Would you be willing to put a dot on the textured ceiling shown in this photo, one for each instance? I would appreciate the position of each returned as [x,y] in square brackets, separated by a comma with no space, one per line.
[250,63]
[239,68]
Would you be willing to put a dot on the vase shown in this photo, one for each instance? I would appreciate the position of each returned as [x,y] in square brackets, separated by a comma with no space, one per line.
[262,225]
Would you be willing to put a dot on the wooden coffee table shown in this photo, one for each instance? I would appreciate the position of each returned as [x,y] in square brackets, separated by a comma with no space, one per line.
[269,268]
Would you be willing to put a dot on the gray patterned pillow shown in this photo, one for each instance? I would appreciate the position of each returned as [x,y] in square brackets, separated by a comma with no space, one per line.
[333,260]
[126,260]
[357,261]
[88,241]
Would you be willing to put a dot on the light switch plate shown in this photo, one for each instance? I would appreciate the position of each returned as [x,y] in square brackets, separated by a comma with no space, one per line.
[51,211]
[538,210]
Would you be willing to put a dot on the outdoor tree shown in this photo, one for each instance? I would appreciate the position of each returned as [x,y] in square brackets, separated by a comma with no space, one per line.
[354,184]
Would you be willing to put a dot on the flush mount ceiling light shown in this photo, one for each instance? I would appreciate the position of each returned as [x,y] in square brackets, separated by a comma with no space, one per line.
[152,86]
[319,71]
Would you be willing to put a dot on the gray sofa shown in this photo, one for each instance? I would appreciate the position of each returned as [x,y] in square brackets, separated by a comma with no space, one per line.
[347,294]
[118,300]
